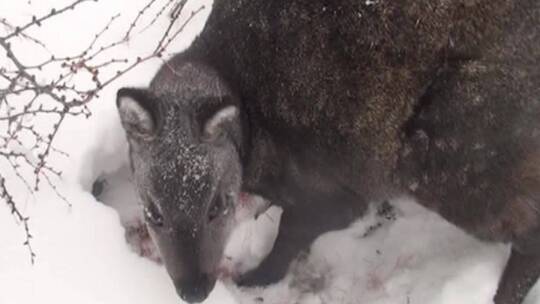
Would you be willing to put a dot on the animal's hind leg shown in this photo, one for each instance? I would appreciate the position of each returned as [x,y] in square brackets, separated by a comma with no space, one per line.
[521,218]
[520,274]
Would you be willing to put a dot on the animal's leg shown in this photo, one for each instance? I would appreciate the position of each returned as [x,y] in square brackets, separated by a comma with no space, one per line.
[521,218]
[520,274]
[299,227]
[291,240]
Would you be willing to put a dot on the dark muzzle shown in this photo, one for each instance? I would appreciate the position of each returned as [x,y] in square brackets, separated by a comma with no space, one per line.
[195,290]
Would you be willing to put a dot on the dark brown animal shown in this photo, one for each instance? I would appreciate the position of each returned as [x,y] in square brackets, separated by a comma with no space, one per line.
[323,105]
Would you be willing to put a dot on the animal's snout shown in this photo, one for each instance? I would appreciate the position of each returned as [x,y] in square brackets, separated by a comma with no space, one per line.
[195,290]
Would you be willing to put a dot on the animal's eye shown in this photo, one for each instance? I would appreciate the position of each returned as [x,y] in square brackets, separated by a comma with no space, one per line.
[152,215]
[220,206]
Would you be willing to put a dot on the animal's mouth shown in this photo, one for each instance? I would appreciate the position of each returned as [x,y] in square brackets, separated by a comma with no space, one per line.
[197,290]
[226,270]
[253,204]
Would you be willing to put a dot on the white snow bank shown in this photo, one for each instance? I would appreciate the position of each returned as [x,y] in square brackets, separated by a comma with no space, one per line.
[418,258]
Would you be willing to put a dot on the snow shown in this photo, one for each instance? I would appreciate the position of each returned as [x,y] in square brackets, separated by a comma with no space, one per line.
[416,258]
[82,255]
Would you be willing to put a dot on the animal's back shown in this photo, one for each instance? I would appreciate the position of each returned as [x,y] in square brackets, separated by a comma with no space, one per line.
[474,138]
[344,77]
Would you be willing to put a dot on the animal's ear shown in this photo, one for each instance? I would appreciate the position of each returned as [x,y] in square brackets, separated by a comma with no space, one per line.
[215,125]
[137,112]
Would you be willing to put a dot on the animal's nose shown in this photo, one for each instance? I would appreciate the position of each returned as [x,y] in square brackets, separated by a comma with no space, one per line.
[196,290]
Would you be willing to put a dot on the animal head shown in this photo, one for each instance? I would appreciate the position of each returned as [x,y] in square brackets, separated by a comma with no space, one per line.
[184,135]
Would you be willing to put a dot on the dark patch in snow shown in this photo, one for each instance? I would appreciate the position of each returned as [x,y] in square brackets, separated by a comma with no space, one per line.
[385,214]
[97,187]
[116,190]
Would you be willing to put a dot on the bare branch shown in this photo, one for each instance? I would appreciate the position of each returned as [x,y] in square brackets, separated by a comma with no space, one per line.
[25,95]
[4,194]
[38,21]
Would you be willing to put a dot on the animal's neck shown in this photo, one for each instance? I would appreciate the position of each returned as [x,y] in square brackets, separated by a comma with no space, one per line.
[275,171]
[262,163]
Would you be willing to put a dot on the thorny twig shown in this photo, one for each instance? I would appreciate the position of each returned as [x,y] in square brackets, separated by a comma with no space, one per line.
[24,96]
[18,216]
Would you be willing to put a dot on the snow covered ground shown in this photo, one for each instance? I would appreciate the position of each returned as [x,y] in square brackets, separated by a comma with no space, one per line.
[413,257]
